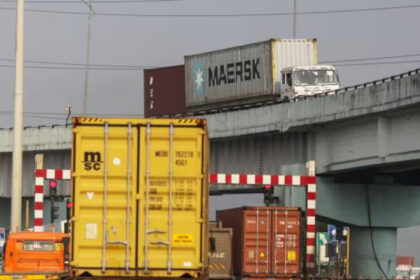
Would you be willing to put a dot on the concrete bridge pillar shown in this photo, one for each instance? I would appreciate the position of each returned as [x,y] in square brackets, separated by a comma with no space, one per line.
[362,257]
[382,205]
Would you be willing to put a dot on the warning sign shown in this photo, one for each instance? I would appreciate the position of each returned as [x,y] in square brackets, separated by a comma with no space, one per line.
[262,255]
[291,255]
[182,239]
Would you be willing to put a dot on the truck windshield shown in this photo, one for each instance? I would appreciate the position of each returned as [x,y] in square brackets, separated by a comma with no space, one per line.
[314,77]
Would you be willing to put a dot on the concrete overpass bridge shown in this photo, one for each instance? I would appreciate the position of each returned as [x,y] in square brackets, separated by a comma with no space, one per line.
[364,140]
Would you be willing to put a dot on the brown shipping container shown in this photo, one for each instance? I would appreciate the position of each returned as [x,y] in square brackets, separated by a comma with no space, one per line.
[405,261]
[220,252]
[266,240]
[164,91]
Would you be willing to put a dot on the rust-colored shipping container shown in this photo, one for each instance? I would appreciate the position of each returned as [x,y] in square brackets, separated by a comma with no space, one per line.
[164,91]
[220,251]
[406,261]
[266,240]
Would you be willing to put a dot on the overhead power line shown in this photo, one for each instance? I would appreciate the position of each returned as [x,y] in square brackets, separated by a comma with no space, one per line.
[77,64]
[34,116]
[143,68]
[371,58]
[35,113]
[378,63]
[47,11]
[53,115]
[220,15]
[79,68]
[61,65]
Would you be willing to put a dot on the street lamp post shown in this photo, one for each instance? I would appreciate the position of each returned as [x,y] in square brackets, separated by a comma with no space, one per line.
[16,205]
[85,96]
[294,18]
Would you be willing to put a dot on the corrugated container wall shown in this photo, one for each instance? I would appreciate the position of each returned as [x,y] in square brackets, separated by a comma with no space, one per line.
[266,240]
[164,91]
[243,74]
[139,192]
[220,252]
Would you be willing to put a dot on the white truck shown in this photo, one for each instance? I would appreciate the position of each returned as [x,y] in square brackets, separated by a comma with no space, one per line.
[301,81]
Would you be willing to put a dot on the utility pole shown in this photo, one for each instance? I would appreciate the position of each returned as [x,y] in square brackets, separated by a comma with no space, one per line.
[16,209]
[85,96]
[294,18]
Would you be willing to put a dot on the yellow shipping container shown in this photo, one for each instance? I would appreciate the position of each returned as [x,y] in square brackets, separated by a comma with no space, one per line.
[140,198]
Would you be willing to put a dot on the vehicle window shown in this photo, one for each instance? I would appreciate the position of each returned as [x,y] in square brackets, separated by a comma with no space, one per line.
[314,77]
[283,79]
[289,79]
[40,246]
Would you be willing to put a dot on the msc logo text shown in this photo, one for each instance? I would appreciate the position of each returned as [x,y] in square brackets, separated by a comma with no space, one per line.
[92,161]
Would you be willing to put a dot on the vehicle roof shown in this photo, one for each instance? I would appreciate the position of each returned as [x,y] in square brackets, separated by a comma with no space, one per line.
[318,66]
[29,235]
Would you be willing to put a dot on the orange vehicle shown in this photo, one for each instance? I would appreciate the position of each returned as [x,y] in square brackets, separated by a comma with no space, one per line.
[36,252]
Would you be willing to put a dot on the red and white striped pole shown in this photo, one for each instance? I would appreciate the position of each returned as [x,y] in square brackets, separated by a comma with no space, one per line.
[40,176]
[310,220]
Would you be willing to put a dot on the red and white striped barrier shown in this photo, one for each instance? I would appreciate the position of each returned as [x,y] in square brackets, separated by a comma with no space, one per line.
[282,180]
[259,179]
[40,176]
[218,178]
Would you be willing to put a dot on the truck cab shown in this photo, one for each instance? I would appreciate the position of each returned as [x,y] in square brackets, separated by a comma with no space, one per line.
[36,252]
[301,81]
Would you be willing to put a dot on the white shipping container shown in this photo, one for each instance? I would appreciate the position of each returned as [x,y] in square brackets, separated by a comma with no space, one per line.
[244,73]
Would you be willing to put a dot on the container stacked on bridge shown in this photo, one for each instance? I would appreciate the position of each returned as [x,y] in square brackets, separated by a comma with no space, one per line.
[243,74]
[226,77]
[266,242]
[140,198]
[164,91]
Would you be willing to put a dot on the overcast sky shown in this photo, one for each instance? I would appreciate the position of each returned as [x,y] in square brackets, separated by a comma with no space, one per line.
[160,41]
[130,40]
